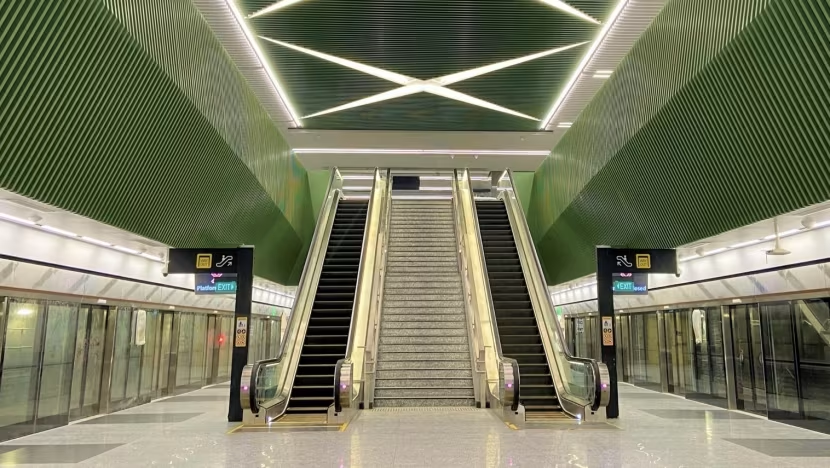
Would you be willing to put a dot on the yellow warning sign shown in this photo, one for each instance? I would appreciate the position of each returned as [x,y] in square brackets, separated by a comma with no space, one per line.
[241,339]
[204,260]
[643,261]
[607,331]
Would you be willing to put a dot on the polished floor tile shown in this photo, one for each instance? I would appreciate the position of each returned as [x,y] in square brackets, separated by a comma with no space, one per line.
[653,431]
[195,398]
[145,418]
[786,447]
[698,414]
[19,454]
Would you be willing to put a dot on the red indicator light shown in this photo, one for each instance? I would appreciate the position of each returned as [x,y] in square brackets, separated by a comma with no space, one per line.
[221,339]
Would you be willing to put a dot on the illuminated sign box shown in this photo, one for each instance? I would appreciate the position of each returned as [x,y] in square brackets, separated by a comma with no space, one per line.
[215,283]
[630,284]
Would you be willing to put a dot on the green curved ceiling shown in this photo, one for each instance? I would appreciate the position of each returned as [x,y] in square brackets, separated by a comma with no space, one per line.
[725,127]
[101,118]
[424,39]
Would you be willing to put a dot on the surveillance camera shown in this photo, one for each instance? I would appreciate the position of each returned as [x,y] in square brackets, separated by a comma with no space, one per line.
[164,270]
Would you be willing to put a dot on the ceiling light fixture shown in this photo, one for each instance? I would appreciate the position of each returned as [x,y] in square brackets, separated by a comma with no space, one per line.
[125,250]
[357,189]
[783,234]
[585,60]
[410,85]
[15,219]
[745,244]
[426,177]
[95,241]
[562,6]
[565,125]
[419,151]
[283,97]
[603,74]
[355,176]
[274,7]
[55,230]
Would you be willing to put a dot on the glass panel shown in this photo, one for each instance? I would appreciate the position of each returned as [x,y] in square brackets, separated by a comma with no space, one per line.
[20,369]
[702,365]
[716,356]
[121,355]
[652,364]
[95,359]
[197,363]
[134,366]
[814,354]
[164,359]
[779,353]
[210,345]
[275,338]
[56,371]
[81,344]
[224,350]
[757,359]
[184,350]
[148,351]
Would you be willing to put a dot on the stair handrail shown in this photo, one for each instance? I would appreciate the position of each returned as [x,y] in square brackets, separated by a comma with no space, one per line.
[348,372]
[373,331]
[505,389]
[596,375]
[300,311]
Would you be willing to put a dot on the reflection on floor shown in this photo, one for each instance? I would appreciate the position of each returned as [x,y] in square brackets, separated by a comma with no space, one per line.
[654,430]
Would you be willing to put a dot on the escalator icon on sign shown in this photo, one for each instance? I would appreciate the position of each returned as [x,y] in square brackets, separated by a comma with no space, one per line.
[622,260]
[227,260]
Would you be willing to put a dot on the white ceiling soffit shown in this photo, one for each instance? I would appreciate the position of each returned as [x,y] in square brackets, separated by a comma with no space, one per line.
[633,20]
[520,151]
[242,49]
[314,161]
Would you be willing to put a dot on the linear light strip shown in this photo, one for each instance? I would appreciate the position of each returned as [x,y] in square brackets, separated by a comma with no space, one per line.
[585,60]
[264,63]
[564,7]
[410,85]
[274,7]
[420,151]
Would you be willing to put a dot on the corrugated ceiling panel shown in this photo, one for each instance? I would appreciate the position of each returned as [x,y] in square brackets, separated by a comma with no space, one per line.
[745,139]
[92,124]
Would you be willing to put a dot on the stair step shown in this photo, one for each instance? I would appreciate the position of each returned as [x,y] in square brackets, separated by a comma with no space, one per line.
[424,332]
[422,392]
[423,340]
[424,348]
[440,382]
[417,365]
[457,317]
[434,402]
[387,356]
[423,374]
[386,325]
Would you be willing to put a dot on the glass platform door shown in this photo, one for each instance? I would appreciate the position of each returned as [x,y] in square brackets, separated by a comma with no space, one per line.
[89,362]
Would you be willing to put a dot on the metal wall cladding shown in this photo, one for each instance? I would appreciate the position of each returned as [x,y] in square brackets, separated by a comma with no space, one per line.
[716,119]
[424,39]
[97,119]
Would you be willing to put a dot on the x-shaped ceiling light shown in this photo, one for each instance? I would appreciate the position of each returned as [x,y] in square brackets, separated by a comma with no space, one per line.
[409,85]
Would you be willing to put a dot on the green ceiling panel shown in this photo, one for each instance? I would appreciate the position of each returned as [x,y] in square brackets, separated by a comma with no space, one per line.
[424,39]
[96,121]
[740,136]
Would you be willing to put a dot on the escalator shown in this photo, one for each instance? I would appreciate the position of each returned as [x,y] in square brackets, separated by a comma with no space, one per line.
[327,334]
[516,322]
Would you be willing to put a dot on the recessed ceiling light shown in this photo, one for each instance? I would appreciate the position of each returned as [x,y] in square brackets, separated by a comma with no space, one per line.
[102,301]
[603,74]
[125,249]
[565,124]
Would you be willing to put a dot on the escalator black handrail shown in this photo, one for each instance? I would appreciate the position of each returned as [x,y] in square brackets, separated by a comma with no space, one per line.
[489,294]
[514,406]
[258,365]
[337,388]
[595,368]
